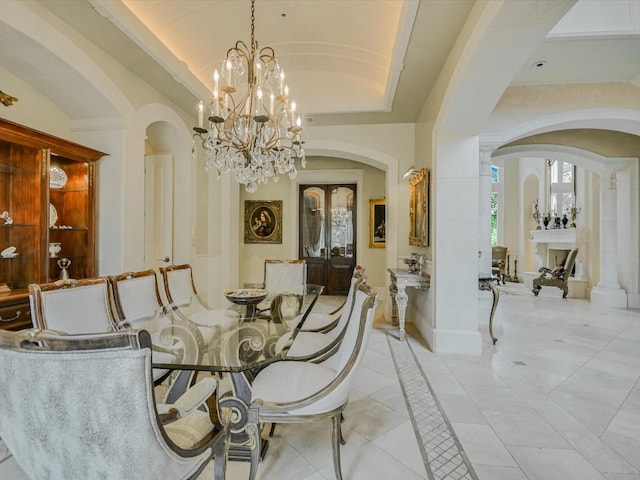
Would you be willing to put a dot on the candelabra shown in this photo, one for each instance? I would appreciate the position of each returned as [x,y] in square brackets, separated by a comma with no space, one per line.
[574,214]
[536,215]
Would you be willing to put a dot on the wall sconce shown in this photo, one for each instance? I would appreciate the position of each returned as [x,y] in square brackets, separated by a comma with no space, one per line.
[6,99]
[410,173]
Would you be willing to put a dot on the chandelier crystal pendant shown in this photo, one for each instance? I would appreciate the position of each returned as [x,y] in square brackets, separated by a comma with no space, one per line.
[252,131]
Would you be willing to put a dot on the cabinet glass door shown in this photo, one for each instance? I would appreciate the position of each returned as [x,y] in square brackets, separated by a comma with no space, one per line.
[19,217]
[69,220]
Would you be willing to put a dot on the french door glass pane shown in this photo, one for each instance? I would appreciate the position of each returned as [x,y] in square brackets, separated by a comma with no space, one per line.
[313,222]
[342,222]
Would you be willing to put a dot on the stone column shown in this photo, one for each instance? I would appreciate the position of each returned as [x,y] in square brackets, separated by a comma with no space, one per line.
[608,291]
[484,210]
[454,280]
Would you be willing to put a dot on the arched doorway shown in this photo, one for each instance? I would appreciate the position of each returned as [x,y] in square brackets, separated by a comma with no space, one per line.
[162,175]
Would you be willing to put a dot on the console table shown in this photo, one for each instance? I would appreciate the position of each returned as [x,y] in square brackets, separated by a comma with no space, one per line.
[400,280]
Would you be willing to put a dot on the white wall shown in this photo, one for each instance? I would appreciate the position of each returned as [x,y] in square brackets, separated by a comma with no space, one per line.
[49,118]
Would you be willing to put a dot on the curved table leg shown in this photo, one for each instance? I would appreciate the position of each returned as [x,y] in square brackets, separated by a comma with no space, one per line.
[494,305]
[487,284]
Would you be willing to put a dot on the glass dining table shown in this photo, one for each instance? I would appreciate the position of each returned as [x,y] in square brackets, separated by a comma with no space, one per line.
[255,329]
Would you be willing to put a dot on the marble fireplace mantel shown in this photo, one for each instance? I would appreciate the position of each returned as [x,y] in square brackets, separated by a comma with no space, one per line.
[563,237]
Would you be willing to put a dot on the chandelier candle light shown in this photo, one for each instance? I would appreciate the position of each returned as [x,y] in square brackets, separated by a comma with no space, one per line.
[252,130]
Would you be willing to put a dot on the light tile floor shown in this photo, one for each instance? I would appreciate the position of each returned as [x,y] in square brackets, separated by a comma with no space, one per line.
[557,397]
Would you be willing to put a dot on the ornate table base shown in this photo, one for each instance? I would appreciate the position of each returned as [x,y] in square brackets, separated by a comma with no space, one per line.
[236,405]
[400,280]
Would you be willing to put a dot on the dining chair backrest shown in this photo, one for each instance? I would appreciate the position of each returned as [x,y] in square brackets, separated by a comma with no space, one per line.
[347,309]
[138,303]
[83,406]
[136,294]
[187,304]
[285,276]
[178,283]
[356,333]
[74,306]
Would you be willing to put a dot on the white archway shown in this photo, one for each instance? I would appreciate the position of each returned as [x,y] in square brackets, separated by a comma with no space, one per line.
[622,235]
[87,91]
[616,119]
[582,158]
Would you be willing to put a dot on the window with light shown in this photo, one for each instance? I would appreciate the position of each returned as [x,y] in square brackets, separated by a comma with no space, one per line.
[561,187]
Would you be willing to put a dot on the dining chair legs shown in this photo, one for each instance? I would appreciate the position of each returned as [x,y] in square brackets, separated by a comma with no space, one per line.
[336,440]
[336,436]
[253,431]
[223,416]
[220,462]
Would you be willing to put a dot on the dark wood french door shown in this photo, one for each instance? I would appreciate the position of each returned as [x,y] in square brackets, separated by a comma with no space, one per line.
[327,236]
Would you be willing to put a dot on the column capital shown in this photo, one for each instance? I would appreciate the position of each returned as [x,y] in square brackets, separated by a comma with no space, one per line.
[609,179]
[489,147]
[485,163]
[486,150]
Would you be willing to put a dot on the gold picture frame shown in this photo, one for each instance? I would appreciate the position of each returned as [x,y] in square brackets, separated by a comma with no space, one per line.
[419,209]
[377,223]
[263,221]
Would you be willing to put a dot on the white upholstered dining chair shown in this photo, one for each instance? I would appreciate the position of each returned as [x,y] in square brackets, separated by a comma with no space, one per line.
[317,344]
[82,306]
[286,280]
[104,422]
[137,299]
[182,294]
[333,322]
[73,306]
[136,294]
[138,304]
[186,304]
[296,392]
[285,276]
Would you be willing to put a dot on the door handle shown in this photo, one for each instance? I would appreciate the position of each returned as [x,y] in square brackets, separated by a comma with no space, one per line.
[165,259]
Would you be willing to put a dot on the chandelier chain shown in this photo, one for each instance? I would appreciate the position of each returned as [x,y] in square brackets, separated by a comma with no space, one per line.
[253,35]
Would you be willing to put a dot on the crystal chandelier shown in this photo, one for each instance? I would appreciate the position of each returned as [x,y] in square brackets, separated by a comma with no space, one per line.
[253,131]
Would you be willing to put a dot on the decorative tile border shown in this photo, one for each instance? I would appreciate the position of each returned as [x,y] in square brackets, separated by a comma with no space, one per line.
[441,450]
[4,451]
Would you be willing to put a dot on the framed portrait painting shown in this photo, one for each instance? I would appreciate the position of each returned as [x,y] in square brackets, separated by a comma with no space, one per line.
[419,209]
[263,221]
[377,223]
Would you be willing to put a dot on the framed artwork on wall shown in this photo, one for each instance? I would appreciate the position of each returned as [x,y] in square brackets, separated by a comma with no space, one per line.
[263,221]
[377,223]
[419,209]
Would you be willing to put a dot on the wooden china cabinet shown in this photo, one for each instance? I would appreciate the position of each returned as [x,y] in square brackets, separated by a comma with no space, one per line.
[47,215]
